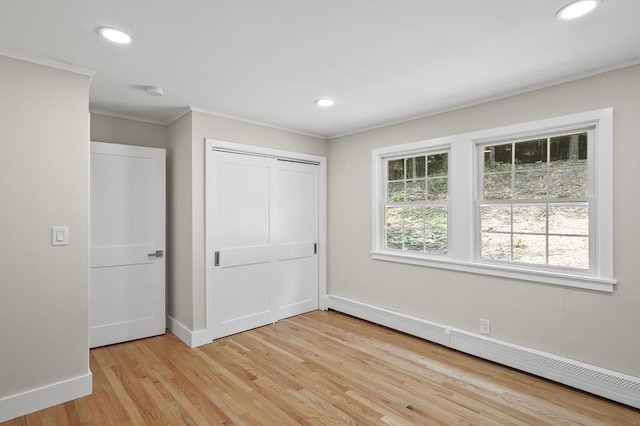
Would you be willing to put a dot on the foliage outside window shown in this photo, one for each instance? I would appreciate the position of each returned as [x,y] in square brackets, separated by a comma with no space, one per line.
[535,202]
[530,201]
[416,204]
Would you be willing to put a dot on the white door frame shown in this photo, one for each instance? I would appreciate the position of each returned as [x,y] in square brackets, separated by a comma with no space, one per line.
[211,144]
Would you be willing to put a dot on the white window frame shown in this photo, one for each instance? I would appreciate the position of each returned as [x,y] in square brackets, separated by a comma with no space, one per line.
[465,172]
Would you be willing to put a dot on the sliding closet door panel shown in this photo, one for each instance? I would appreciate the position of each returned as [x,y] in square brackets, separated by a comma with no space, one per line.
[296,233]
[242,291]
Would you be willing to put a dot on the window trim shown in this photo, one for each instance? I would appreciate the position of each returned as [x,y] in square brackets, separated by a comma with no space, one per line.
[463,198]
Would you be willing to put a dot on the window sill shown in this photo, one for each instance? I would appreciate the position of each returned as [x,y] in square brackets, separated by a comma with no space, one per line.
[503,271]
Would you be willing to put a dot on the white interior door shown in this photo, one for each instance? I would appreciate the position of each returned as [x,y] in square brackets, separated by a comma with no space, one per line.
[264,225]
[127,275]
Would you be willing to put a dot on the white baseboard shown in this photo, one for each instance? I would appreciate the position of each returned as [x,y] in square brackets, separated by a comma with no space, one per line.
[44,397]
[192,339]
[599,381]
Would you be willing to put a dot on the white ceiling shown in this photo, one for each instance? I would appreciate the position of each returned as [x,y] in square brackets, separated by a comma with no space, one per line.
[268,61]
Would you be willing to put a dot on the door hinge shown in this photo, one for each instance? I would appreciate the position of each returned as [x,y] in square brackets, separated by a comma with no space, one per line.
[216,259]
[315,248]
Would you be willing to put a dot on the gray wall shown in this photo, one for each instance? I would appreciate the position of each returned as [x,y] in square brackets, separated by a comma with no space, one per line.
[44,182]
[105,128]
[180,248]
[596,328]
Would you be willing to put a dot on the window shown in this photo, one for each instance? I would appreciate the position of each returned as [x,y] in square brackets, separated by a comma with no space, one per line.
[531,201]
[534,206]
[416,203]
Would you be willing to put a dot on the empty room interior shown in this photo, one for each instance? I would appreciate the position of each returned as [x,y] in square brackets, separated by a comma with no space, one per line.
[320,212]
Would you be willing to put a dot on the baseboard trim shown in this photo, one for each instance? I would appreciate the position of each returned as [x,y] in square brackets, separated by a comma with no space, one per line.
[599,381]
[193,339]
[44,397]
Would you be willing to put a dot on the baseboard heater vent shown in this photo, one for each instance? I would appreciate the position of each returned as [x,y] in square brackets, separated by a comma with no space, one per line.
[599,381]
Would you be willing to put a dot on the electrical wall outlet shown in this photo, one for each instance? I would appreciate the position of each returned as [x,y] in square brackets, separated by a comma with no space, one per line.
[485,326]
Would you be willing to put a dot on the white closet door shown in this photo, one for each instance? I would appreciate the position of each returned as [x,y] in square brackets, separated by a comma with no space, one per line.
[296,226]
[242,293]
[264,226]
[127,274]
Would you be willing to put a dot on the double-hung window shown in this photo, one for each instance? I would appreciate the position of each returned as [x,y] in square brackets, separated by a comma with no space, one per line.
[532,201]
[534,204]
[416,205]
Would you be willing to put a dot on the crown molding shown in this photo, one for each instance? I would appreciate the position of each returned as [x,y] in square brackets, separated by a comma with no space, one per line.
[539,86]
[257,123]
[48,63]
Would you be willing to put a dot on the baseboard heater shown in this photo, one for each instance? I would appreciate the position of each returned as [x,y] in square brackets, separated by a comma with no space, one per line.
[599,381]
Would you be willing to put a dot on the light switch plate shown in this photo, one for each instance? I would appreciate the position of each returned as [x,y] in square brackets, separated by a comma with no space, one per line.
[59,236]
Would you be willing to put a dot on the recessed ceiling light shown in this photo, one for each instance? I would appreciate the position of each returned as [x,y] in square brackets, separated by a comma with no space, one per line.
[576,9]
[324,102]
[114,35]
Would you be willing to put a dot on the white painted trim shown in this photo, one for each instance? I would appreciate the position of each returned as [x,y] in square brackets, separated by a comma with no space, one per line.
[47,63]
[322,218]
[599,381]
[181,114]
[193,339]
[504,271]
[44,397]
[199,338]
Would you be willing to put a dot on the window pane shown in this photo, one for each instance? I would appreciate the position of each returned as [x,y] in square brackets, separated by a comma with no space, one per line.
[495,218]
[531,154]
[530,219]
[414,239]
[530,184]
[530,248]
[414,217]
[568,182]
[496,246]
[415,167]
[438,188]
[416,190]
[573,220]
[497,158]
[568,148]
[497,186]
[393,216]
[394,238]
[570,252]
[437,165]
[396,169]
[436,229]
[395,191]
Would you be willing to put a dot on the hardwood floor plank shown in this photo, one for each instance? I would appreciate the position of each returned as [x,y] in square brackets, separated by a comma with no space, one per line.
[320,368]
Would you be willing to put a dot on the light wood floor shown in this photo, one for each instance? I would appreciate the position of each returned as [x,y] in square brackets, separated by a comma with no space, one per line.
[318,368]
